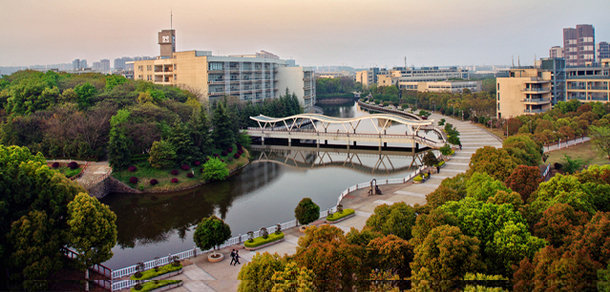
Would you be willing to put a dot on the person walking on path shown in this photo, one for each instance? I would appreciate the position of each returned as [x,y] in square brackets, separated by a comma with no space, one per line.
[236,258]
[428,173]
[438,169]
[232,257]
[460,146]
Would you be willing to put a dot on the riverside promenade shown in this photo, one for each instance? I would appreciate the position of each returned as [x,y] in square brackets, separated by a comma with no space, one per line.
[201,275]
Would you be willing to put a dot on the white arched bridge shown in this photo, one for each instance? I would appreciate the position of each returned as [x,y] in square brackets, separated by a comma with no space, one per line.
[292,127]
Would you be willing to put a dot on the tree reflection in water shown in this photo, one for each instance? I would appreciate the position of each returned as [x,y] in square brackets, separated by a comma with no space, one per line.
[144,219]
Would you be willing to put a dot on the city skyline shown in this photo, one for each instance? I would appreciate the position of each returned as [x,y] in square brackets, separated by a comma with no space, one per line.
[314,33]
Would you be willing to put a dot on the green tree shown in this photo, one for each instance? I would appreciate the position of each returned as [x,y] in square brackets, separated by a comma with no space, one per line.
[211,232]
[571,165]
[562,189]
[396,219]
[307,211]
[223,134]
[601,139]
[441,195]
[293,278]
[119,154]
[162,155]
[186,151]
[86,92]
[200,131]
[93,230]
[445,255]
[33,214]
[430,159]
[481,186]
[511,244]
[215,170]
[256,275]
[523,148]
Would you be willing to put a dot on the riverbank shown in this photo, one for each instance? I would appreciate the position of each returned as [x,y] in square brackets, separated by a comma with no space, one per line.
[334,101]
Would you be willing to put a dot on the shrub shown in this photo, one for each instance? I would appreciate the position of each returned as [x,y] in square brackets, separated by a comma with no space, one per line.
[229,149]
[404,106]
[215,155]
[174,180]
[174,172]
[307,211]
[557,165]
[197,163]
[230,159]
[133,180]
[153,182]
[440,163]
[222,160]
[215,170]
[445,150]
[236,155]
[73,165]
[224,153]
[190,175]
[201,169]
[148,274]
[260,240]
[55,165]
[132,168]
[185,167]
[337,216]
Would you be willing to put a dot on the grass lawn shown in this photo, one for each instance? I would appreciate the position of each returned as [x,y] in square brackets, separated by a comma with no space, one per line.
[585,151]
[145,173]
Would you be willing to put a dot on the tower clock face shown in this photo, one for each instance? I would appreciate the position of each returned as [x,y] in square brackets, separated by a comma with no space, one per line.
[165,39]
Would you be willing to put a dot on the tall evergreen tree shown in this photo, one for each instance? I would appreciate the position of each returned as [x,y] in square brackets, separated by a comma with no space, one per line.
[186,151]
[223,134]
[119,155]
[200,131]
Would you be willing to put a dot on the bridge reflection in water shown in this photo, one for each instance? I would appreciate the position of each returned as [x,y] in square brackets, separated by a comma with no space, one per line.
[368,161]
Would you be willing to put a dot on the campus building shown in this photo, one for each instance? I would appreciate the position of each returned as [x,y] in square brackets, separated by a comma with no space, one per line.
[589,84]
[579,45]
[525,91]
[603,51]
[456,86]
[249,77]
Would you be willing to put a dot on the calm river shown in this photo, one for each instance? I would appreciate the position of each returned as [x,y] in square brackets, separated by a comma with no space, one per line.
[262,195]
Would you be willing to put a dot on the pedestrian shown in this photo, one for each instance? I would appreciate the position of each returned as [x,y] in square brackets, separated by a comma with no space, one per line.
[428,173]
[438,169]
[236,258]
[460,146]
[232,257]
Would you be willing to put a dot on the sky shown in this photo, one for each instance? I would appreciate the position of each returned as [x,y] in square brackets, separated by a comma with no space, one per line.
[357,33]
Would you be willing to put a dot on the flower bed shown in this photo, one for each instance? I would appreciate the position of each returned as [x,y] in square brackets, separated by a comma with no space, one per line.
[336,217]
[260,242]
[149,274]
[155,285]
[419,179]
[442,163]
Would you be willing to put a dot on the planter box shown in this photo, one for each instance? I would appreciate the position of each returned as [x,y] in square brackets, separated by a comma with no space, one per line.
[339,220]
[166,275]
[264,245]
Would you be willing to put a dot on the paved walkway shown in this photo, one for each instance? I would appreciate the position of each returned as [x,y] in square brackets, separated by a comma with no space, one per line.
[201,275]
[93,172]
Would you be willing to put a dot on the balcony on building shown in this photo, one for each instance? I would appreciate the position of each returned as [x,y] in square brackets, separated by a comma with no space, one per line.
[536,100]
[166,68]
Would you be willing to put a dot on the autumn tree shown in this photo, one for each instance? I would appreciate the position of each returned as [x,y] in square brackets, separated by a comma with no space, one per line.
[361,237]
[426,222]
[497,163]
[390,253]
[441,195]
[256,275]
[396,219]
[445,255]
[596,179]
[524,180]
[558,222]
[562,189]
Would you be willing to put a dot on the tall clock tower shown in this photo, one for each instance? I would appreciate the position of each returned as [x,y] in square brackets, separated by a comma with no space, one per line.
[167,42]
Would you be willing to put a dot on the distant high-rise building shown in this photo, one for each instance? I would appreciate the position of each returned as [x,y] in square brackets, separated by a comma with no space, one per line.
[105,65]
[603,51]
[97,66]
[119,63]
[76,64]
[579,45]
[556,52]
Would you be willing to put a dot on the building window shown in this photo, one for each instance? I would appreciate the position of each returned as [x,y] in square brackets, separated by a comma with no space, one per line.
[148,67]
[140,68]
[140,77]
[175,77]
[175,67]
[149,77]
[498,96]
[498,106]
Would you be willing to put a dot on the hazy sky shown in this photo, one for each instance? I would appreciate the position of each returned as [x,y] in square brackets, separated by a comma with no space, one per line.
[314,32]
